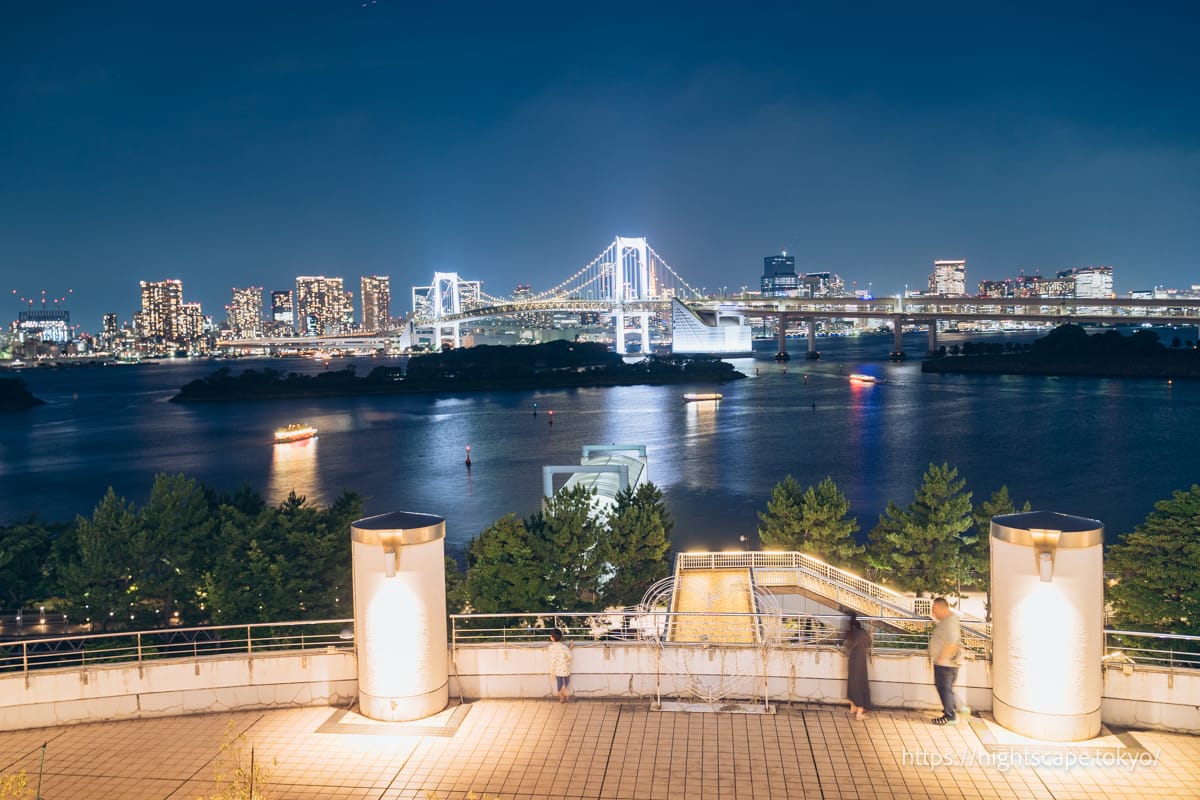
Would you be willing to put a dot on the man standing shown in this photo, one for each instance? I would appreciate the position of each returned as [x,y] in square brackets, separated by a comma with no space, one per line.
[945,650]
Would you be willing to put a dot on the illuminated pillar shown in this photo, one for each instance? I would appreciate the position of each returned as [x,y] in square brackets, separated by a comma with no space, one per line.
[1047,624]
[645,334]
[400,615]
[619,331]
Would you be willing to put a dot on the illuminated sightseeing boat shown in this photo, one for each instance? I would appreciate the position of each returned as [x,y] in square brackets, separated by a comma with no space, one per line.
[693,397]
[296,432]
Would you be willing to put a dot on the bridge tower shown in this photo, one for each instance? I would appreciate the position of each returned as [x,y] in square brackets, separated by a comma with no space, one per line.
[629,261]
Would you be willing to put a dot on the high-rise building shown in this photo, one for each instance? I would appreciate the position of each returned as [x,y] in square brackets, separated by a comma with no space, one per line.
[949,278]
[1094,282]
[246,313]
[779,278]
[376,303]
[161,317]
[110,332]
[283,313]
[320,305]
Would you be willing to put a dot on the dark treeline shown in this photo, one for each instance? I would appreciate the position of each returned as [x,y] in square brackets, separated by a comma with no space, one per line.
[15,396]
[190,555]
[1070,350]
[490,367]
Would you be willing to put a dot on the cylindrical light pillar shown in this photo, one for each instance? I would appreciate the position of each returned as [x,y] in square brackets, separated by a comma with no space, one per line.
[400,615]
[1047,577]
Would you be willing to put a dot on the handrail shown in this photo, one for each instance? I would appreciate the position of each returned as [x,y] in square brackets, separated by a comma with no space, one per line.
[137,647]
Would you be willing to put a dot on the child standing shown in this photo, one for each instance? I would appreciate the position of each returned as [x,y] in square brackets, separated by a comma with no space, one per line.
[560,663]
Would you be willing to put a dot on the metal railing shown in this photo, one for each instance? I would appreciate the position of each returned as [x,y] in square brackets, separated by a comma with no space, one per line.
[660,628]
[138,647]
[1139,648]
[841,586]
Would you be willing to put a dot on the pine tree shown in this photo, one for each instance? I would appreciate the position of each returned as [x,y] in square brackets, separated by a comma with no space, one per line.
[174,532]
[826,531]
[98,578]
[921,546]
[566,535]
[979,557]
[780,527]
[1157,569]
[635,545]
[503,572]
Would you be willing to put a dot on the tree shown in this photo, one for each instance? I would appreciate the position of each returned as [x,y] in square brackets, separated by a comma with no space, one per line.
[24,548]
[635,545]
[98,579]
[979,555]
[503,573]
[1157,569]
[780,527]
[174,530]
[922,544]
[287,562]
[566,536]
[827,532]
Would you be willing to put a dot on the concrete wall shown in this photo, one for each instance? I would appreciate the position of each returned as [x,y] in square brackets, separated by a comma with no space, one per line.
[1155,698]
[168,688]
[1143,697]
[898,680]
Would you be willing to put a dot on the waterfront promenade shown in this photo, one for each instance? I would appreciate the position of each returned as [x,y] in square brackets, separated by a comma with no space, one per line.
[538,750]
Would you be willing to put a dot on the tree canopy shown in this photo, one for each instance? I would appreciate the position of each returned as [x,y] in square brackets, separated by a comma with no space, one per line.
[921,546]
[1157,569]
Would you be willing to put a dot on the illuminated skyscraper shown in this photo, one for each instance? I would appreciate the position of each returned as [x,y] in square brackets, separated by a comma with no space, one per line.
[283,313]
[376,303]
[246,312]
[779,278]
[161,317]
[110,333]
[949,278]
[320,305]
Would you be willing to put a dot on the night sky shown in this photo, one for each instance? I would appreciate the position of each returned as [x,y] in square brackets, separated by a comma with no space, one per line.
[245,143]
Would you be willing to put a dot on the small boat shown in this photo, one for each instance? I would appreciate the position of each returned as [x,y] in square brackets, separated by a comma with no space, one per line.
[858,377]
[296,432]
[692,397]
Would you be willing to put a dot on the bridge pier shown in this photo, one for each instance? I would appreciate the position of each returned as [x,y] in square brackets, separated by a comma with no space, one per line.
[782,354]
[897,353]
[933,345]
[813,354]
[619,331]
[645,320]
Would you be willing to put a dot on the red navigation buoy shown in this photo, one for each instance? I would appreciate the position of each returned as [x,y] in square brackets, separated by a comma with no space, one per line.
[468,456]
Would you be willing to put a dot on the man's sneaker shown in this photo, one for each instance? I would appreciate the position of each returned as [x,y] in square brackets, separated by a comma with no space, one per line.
[944,720]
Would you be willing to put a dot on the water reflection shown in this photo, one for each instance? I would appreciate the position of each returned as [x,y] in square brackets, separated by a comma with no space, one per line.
[293,468]
[701,419]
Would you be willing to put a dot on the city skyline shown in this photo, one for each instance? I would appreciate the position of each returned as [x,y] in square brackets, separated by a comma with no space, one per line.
[341,139]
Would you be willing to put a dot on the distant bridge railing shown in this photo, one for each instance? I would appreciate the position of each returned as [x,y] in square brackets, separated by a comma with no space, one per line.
[137,647]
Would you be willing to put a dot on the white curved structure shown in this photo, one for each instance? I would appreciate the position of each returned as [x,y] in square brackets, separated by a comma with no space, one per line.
[1047,624]
[714,332]
[400,615]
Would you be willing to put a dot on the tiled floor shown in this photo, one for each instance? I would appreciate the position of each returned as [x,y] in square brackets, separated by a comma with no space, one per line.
[531,750]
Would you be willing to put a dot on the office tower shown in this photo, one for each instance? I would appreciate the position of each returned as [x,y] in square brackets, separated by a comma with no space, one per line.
[245,313]
[283,313]
[110,332]
[161,317]
[779,278]
[1094,282]
[376,303]
[320,305]
[948,279]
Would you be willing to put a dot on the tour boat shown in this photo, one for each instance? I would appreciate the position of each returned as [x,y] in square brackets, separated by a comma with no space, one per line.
[859,377]
[295,432]
[692,397]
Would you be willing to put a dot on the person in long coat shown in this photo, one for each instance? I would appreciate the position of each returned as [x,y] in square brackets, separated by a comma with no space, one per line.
[857,646]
